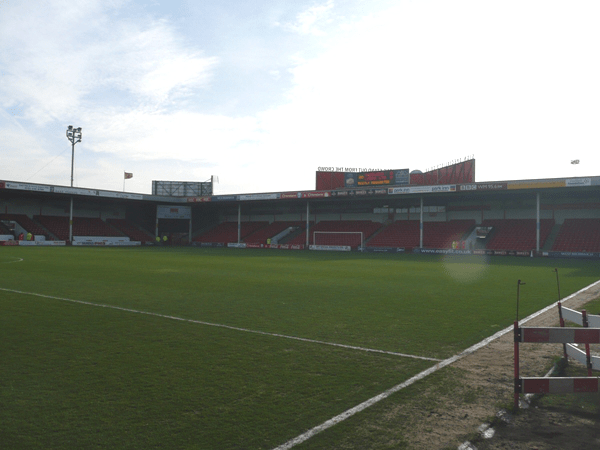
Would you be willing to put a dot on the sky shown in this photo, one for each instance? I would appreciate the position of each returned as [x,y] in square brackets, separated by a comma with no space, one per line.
[260,94]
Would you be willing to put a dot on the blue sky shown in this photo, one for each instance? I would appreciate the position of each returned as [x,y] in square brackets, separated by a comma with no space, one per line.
[262,93]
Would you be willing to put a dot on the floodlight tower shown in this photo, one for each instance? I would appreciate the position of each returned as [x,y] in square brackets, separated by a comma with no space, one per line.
[73,135]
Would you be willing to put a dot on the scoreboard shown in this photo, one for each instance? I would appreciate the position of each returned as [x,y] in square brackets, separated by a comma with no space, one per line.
[378,178]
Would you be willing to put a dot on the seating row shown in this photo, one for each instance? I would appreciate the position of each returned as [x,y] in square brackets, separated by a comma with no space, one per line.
[508,234]
[58,226]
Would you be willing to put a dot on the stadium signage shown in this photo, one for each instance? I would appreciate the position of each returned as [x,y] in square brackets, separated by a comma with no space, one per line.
[441,251]
[422,189]
[173,212]
[120,195]
[198,199]
[208,244]
[482,187]
[290,195]
[315,194]
[42,243]
[382,249]
[574,182]
[69,190]
[224,198]
[259,197]
[335,248]
[77,191]
[27,187]
[347,169]
[276,246]
[378,178]
[571,254]
[502,252]
[535,184]
[339,194]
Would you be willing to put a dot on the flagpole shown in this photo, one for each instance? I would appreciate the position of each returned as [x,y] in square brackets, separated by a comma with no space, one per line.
[126,176]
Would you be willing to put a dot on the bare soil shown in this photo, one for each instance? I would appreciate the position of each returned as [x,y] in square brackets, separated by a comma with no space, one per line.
[489,373]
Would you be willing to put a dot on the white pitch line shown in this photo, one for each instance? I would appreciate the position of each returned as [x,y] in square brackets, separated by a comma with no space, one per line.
[16,260]
[229,327]
[364,405]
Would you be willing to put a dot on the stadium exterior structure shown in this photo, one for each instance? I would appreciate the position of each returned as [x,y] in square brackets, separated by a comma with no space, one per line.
[543,201]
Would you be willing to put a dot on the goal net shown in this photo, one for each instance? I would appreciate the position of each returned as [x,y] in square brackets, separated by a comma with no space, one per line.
[352,239]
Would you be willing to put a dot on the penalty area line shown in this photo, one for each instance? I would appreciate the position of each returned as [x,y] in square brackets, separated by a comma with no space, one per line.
[229,327]
[364,405]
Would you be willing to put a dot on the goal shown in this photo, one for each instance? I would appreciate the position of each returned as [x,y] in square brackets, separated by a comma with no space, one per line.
[352,239]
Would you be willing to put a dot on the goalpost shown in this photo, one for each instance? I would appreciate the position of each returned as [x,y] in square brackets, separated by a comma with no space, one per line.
[342,238]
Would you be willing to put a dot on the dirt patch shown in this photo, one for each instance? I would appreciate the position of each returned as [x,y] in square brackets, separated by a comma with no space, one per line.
[488,373]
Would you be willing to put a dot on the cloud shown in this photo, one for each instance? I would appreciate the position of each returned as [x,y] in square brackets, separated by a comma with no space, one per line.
[183,135]
[68,56]
[420,85]
[414,85]
[311,20]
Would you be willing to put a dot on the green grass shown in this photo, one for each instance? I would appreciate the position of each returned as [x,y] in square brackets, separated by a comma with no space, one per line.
[74,375]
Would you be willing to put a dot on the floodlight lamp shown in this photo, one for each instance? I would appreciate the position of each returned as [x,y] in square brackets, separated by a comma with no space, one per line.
[70,127]
[79,130]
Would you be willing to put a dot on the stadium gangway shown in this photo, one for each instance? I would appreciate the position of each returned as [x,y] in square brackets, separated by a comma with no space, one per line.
[555,385]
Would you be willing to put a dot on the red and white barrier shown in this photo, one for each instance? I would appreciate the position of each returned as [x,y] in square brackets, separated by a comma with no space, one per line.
[565,336]
[560,335]
[581,356]
[585,320]
[577,317]
[558,385]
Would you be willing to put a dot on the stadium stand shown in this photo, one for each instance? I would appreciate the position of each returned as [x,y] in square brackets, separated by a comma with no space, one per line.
[261,236]
[28,224]
[578,235]
[59,226]
[442,234]
[130,230]
[402,233]
[93,226]
[517,234]
[4,229]
[82,226]
[228,232]
[367,227]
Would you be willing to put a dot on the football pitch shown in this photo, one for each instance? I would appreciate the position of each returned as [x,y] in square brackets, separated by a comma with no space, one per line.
[241,349]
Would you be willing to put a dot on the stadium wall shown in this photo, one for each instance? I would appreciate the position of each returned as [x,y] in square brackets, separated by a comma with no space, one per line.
[427,217]
[462,215]
[494,212]
[456,210]
[561,215]
[36,207]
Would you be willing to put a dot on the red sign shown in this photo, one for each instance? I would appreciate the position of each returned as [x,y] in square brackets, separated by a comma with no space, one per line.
[315,194]
[2,185]
[289,195]
[198,199]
